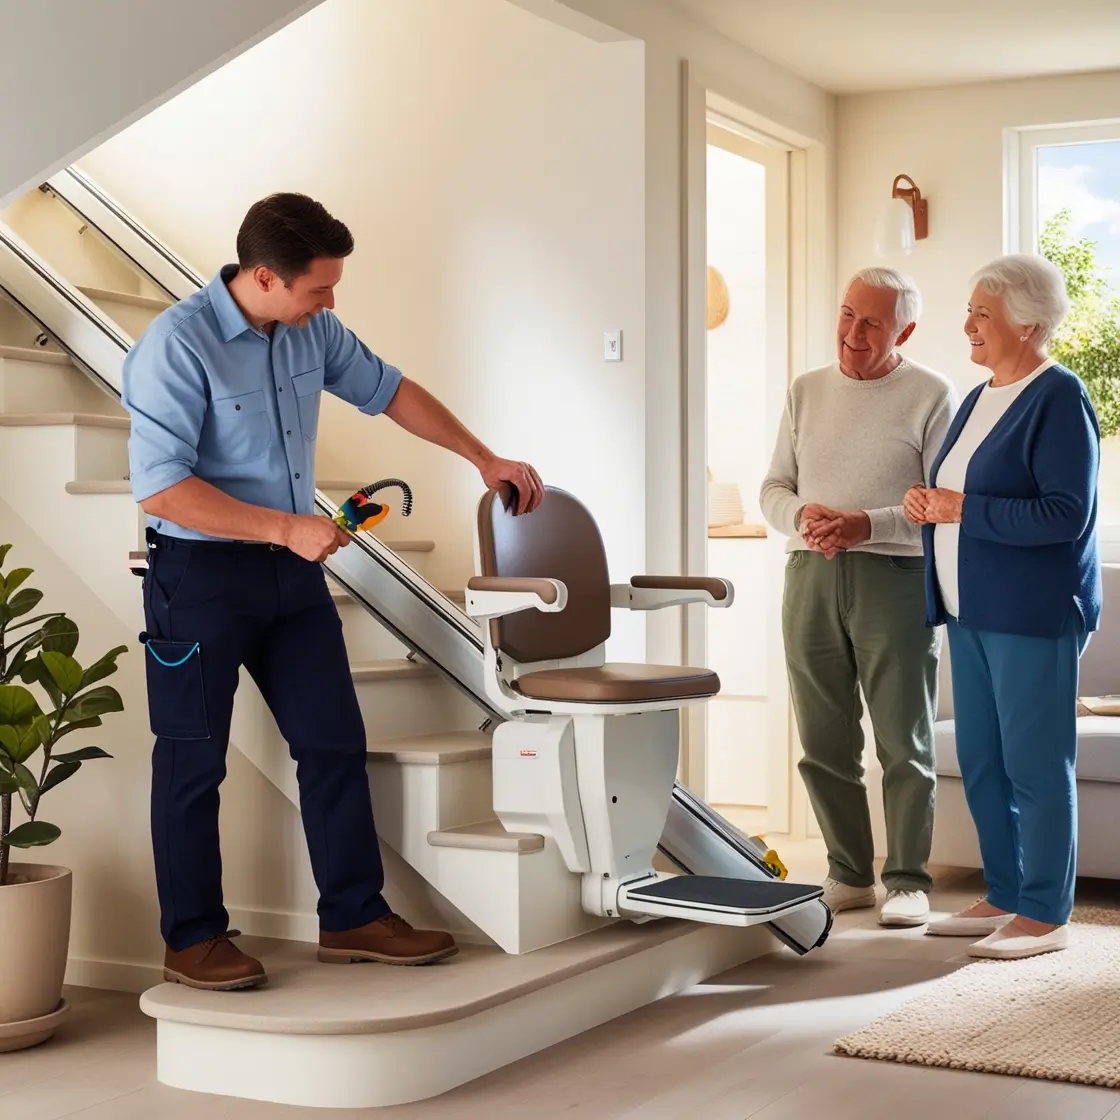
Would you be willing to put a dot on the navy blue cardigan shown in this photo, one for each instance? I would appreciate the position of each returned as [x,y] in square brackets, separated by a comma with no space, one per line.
[1028,544]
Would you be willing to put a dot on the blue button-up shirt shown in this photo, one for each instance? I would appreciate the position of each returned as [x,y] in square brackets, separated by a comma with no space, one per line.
[211,396]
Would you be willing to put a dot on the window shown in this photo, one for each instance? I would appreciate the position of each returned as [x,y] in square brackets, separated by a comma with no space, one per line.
[1069,210]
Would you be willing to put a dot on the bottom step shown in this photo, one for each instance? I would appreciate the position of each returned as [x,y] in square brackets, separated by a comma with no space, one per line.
[711,898]
[371,1035]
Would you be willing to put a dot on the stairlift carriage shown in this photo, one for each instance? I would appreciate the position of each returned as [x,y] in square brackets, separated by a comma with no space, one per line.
[588,752]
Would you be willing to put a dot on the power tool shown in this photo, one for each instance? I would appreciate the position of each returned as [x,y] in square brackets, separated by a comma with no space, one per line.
[359,511]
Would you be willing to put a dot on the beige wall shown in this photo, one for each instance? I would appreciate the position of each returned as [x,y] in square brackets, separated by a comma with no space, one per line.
[951,141]
[491,168]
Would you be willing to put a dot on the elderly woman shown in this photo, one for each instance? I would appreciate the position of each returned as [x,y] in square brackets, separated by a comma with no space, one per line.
[1012,570]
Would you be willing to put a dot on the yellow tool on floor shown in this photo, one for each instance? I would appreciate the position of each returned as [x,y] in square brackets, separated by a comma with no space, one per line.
[770,857]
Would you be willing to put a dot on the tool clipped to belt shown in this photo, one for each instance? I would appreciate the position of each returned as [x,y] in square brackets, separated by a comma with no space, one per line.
[360,511]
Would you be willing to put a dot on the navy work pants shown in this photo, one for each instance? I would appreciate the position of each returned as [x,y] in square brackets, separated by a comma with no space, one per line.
[211,608]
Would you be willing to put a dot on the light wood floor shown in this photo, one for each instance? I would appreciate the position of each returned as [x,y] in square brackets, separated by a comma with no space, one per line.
[752,1043]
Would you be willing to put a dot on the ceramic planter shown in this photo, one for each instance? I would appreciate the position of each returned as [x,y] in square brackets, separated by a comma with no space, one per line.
[34,939]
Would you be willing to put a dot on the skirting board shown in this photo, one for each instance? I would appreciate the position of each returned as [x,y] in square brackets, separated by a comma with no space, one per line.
[377,1070]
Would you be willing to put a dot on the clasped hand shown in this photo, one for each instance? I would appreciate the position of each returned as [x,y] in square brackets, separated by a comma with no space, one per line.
[933,507]
[830,531]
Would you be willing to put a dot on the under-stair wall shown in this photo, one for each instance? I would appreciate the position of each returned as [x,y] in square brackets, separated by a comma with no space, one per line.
[80,71]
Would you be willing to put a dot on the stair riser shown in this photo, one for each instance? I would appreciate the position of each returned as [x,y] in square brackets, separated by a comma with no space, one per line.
[366,638]
[101,454]
[134,321]
[398,708]
[39,387]
[410,800]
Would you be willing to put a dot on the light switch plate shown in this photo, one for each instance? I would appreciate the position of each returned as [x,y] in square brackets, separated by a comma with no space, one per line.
[612,346]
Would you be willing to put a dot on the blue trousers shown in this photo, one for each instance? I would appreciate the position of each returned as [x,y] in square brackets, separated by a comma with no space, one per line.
[211,608]
[1014,700]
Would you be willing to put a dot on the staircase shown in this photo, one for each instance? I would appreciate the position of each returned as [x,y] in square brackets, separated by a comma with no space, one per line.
[339,1037]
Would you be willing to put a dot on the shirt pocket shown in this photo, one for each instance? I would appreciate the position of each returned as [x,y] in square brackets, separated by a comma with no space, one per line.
[242,427]
[308,388]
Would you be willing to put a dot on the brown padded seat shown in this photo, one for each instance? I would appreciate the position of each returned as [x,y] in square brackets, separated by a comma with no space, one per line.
[619,684]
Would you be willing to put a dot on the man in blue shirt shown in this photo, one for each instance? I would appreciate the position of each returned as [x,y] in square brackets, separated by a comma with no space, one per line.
[223,390]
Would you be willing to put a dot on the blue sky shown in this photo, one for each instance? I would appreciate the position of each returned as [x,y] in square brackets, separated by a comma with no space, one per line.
[1085,178]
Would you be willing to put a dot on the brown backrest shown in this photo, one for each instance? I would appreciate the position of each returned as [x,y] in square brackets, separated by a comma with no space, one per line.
[558,540]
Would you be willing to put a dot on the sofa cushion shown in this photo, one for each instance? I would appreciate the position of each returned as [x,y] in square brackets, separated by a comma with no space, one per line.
[1098,749]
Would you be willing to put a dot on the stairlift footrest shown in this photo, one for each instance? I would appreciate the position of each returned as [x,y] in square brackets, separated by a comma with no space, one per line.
[713,899]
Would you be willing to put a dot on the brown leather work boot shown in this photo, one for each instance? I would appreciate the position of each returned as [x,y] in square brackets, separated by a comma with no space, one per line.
[215,965]
[390,940]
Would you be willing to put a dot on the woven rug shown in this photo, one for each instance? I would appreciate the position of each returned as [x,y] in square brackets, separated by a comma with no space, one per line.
[1055,1016]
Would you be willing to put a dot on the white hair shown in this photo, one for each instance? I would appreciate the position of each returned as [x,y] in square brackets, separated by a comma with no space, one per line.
[1032,288]
[908,300]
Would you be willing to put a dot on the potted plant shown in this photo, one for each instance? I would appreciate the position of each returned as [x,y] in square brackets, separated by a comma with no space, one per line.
[45,695]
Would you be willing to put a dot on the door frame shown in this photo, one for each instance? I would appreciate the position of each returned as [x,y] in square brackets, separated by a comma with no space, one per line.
[809,283]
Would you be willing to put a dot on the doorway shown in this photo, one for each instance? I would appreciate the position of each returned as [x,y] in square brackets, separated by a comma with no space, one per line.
[746,370]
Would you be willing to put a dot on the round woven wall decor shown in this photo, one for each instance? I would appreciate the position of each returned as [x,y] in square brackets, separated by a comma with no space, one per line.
[718,300]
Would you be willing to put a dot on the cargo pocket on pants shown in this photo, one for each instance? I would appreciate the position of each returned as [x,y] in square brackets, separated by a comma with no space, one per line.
[176,694]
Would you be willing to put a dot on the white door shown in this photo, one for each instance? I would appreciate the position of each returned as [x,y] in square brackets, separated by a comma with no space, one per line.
[747,369]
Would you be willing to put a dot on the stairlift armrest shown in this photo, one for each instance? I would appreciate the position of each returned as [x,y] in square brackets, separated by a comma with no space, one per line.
[497,596]
[652,593]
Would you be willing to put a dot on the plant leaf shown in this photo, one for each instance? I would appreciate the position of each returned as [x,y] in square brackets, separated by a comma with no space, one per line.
[65,671]
[96,702]
[9,743]
[17,705]
[83,755]
[15,578]
[33,834]
[102,668]
[28,788]
[60,635]
[30,738]
[4,550]
[78,725]
[37,618]
[24,602]
[8,784]
[59,774]
[36,672]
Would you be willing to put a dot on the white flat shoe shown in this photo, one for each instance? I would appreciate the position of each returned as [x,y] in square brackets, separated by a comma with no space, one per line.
[1010,946]
[957,926]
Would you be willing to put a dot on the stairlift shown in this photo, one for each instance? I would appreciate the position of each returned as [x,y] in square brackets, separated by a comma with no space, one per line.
[588,753]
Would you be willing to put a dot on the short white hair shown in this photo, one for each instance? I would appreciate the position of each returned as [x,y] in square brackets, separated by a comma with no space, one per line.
[1032,288]
[908,300]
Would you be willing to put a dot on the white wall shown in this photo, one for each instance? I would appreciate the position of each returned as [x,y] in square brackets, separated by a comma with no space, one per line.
[73,72]
[490,166]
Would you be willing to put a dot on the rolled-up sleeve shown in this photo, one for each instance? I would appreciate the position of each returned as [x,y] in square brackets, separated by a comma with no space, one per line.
[354,373]
[164,392]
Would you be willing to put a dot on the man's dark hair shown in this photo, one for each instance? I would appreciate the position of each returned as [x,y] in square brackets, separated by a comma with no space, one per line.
[286,232]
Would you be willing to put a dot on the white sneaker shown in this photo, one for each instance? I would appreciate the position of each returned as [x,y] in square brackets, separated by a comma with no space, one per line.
[1011,945]
[905,908]
[839,896]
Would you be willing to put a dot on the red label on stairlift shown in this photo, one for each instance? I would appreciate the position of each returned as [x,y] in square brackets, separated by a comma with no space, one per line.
[528,754]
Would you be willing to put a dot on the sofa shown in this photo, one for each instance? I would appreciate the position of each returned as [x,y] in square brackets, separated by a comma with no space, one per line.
[1098,759]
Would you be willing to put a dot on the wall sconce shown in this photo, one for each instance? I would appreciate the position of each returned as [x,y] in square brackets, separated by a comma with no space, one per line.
[904,220]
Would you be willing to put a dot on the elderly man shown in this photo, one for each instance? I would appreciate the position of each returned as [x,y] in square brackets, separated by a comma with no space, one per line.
[854,437]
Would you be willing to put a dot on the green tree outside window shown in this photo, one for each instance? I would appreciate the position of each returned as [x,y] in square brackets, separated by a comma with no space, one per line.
[1088,342]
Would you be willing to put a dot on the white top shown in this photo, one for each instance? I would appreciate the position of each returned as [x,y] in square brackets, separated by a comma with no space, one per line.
[858,445]
[990,406]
